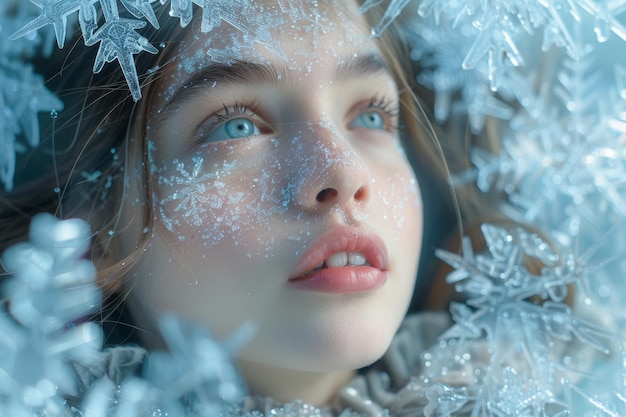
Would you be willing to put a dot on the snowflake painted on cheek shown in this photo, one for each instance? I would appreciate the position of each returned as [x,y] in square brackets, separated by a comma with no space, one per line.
[194,193]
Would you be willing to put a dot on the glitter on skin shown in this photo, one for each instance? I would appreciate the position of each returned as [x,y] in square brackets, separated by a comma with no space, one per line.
[234,216]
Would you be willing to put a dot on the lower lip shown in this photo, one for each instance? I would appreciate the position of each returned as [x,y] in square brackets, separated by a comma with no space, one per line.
[347,279]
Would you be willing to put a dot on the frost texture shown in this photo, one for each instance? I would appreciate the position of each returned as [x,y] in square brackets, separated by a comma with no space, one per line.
[561,169]
[520,345]
[523,343]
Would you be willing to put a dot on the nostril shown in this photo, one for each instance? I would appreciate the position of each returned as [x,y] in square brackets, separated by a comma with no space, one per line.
[326,194]
[361,194]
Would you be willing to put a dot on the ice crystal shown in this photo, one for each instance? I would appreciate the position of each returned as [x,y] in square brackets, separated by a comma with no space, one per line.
[119,40]
[53,12]
[441,52]
[196,375]
[51,288]
[561,159]
[22,92]
[142,8]
[392,11]
[522,318]
[119,37]
[482,46]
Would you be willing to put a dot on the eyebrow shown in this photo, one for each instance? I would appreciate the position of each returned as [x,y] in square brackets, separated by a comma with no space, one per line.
[251,73]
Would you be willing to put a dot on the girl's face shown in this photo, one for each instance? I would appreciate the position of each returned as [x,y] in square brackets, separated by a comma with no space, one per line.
[281,193]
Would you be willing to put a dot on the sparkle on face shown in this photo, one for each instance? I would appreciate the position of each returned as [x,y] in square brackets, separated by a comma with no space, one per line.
[241,147]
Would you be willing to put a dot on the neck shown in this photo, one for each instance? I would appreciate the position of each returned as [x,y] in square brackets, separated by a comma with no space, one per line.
[287,385]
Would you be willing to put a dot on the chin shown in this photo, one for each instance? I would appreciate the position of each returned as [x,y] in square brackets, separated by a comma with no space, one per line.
[361,344]
[328,343]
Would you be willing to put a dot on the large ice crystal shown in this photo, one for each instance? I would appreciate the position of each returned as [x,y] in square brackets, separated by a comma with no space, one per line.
[119,40]
[52,291]
[53,12]
[559,168]
[526,343]
[196,375]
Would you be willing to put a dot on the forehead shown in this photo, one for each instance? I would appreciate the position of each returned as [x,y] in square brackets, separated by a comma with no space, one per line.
[307,37]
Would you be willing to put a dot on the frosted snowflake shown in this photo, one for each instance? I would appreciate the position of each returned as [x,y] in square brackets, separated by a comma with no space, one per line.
[51,288]
[441,52]
[197,374]
[191,190]
[522,374]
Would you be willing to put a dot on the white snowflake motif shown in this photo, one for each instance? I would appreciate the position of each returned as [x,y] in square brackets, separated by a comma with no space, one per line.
[190,194]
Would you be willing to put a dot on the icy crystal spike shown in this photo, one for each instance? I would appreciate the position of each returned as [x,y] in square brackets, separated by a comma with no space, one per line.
[142,8]
[119,40]
[53,12]
[183,10]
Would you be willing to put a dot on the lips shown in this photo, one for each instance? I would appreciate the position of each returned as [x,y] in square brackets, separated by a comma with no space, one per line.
[344,259]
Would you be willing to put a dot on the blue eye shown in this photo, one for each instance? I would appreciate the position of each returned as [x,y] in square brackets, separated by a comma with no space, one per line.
[371,119]
[235,128]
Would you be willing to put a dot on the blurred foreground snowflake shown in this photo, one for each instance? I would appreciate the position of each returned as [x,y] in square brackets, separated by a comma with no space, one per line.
[52,287]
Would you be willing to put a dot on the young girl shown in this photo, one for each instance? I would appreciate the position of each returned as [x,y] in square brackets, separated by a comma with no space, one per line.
[261,179]
[258,174]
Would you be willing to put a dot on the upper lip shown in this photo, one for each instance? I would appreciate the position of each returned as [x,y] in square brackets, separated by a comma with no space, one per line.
[343,239]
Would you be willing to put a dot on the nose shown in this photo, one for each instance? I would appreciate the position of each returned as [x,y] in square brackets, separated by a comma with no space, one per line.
[334,175]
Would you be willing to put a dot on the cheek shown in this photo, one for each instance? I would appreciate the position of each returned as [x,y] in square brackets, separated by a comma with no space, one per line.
[231,204]
[401,202]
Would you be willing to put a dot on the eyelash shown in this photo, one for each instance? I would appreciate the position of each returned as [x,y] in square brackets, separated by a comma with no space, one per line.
[387,107]
[227,113]
[239,109]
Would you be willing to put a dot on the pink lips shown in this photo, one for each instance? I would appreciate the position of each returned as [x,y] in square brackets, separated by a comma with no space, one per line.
[346,279]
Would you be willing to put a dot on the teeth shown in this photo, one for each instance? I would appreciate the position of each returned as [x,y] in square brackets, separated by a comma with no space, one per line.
[342,259]
[355,258]
[337,260]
